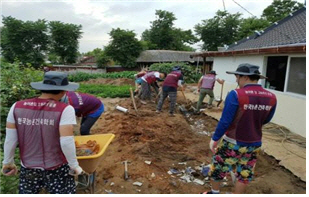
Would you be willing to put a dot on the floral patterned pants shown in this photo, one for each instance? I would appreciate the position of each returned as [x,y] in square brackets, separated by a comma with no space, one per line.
[56,181]
[230,155]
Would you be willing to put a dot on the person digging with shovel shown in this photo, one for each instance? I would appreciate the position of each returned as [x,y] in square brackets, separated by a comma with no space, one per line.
[43,128]
[149,80]
[172,81]
[245,111]
[205,87]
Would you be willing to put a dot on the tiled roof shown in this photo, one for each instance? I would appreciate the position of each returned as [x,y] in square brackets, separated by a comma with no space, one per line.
[288,31]
[167,56]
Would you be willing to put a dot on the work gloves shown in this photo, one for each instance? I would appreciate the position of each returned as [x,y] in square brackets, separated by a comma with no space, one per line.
[76,171]
[213,145]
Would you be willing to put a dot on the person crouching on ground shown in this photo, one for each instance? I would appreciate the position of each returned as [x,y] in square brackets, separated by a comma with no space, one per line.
[172,81]
[205,87]
[138,82]
[149,80]
[86,106]
[245,111]
[43,128]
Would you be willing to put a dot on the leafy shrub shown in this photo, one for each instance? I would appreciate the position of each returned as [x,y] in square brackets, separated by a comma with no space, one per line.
[15,86]
[105,90]
[80,76]
[190,76]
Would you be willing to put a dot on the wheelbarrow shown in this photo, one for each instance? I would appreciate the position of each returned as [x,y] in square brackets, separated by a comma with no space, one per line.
[90,163]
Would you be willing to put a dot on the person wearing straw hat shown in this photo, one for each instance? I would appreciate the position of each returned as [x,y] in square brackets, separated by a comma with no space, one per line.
[245,111]
[205,87]
[86,106]
[43,128]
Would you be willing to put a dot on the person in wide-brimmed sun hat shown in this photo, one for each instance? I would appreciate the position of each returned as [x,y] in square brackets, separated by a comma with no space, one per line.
[43,128]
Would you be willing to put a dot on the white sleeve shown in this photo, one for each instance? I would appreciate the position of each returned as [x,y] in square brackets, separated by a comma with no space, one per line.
[10,143]
[68,148]
[10,117]
[68,116]
[157,74]
[179,83]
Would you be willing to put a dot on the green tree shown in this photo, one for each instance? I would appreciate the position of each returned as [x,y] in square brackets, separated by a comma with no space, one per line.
[219,30]
[163,35]
[249,25]
[100,55]
[25,41]
[102,59]
[280,9]
[64,41]
[124,47]
[94,52]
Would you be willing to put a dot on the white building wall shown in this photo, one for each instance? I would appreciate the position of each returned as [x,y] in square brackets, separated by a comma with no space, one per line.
[291,108]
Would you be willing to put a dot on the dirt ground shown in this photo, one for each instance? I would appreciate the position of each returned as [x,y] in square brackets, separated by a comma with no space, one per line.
[171,144]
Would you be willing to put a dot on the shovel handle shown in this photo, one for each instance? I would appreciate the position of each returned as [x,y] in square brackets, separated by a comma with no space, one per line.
[221,91]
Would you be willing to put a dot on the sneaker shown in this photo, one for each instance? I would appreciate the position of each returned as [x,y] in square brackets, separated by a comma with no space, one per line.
[209,106]
[157,111]
[172,115]
[143,102]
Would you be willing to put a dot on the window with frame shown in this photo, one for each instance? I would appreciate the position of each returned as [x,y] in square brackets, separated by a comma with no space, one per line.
[297,76]
[276,72]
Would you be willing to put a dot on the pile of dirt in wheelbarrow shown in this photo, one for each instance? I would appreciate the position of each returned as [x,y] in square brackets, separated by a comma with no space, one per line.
[160,149]
[117,82]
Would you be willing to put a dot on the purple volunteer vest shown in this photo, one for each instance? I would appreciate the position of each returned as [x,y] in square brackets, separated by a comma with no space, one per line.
[150,77]
[83,104]
[37,122]
[255,104]
[172,79]
[208,81]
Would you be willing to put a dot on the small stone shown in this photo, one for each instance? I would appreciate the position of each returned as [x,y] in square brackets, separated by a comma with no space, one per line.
[173,183]
[148,162]
[112,183]
[138,184]
[153,175]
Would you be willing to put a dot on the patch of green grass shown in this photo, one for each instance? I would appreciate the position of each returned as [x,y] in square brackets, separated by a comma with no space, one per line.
[80,76]
[105,91]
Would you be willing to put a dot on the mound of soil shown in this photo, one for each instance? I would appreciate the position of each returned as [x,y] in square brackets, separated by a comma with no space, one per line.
[169,143]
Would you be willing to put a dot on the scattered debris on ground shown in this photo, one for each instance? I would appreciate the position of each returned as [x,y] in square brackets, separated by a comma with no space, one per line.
[170,155]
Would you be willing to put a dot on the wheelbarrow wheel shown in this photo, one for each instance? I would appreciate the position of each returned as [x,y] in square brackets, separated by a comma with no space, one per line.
[92,182]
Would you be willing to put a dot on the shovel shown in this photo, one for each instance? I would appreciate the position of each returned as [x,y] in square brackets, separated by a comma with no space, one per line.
[158,95]
[184,96]
[220,101]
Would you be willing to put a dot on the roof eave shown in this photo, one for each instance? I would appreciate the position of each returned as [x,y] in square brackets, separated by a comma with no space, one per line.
[269,50]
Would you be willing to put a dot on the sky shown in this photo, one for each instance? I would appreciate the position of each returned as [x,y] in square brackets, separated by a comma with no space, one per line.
[99,17]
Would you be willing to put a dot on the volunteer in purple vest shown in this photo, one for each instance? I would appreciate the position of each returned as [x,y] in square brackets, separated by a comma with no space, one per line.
[172,81]
[86,106]
[43,128]
[149,79]
[205,87]
[245,111]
